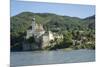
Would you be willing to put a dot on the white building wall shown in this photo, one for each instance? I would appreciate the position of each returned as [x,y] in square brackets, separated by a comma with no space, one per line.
[51,37]
[45,41]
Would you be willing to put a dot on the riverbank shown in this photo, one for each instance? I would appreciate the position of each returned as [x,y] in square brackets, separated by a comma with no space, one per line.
[64,49]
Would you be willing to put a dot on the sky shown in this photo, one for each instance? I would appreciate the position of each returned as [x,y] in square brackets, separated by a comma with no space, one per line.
[73,10]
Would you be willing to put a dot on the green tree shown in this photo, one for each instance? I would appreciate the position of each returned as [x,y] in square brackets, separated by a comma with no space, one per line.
[67,40]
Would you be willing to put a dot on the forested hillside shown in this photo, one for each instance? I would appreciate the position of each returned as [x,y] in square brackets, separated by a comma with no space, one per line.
[56,23]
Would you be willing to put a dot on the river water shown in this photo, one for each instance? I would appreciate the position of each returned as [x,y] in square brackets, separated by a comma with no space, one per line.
[51,57]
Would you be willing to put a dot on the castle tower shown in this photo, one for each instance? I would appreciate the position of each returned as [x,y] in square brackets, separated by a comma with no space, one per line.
[31,31]
[33,25]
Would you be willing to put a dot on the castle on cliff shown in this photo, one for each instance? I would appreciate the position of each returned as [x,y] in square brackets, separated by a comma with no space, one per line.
[42,37]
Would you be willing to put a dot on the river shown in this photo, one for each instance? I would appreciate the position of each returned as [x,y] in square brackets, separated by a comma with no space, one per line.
[51,57]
